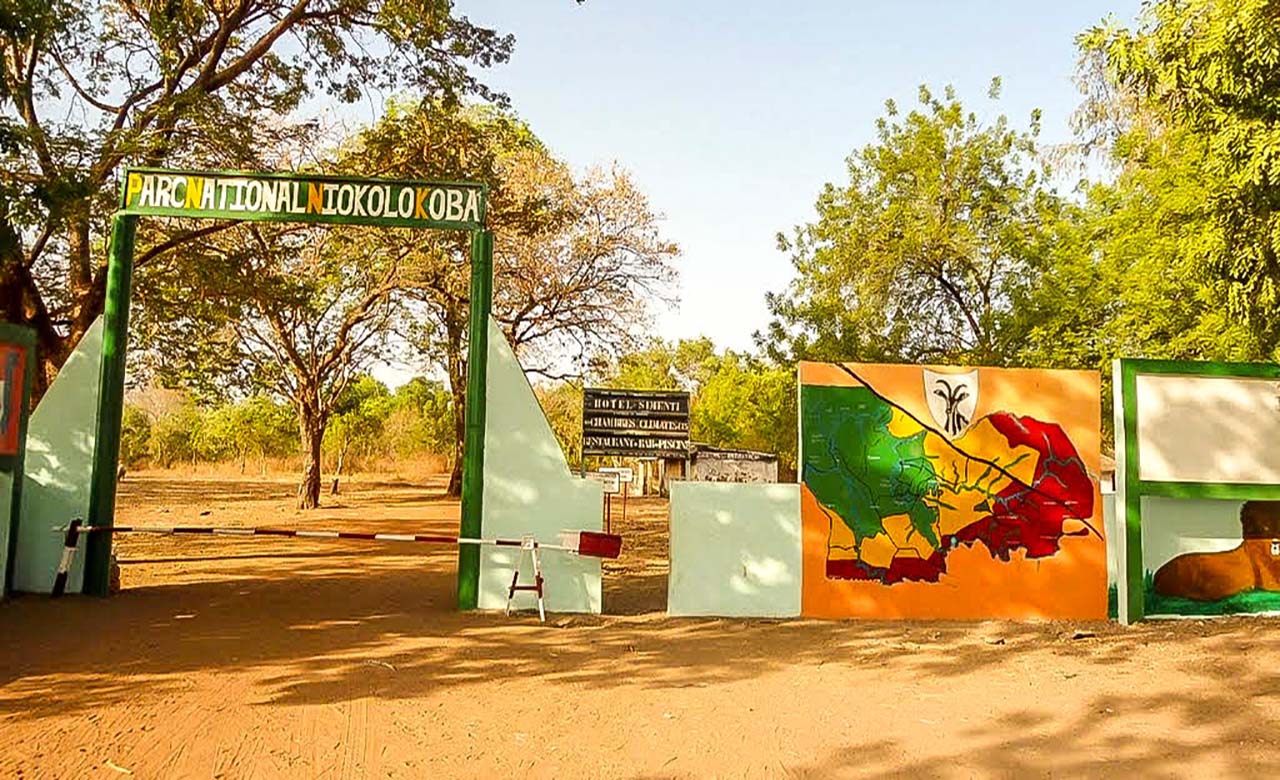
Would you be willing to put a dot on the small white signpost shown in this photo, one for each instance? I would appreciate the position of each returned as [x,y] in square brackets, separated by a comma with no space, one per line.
[612,483]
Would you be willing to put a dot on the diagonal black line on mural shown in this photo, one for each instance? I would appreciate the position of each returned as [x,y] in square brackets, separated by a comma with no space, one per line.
[871,388]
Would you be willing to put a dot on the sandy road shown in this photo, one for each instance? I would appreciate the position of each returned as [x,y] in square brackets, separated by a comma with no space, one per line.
[309,659]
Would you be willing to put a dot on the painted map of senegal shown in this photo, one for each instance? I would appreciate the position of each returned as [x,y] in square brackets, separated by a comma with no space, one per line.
[900,496]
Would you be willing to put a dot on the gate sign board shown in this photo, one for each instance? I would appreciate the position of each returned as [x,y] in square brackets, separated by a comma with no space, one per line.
[641,423]
[303,198]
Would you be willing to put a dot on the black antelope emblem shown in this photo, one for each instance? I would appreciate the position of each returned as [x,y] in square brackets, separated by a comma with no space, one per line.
[955,420]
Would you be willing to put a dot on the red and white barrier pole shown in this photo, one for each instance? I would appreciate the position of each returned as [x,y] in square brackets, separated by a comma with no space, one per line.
[587,543]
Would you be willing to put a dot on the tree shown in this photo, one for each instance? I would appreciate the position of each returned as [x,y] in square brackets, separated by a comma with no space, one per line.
[257,426]
[561,402]
[88,86]
[685,364]
[582,278]
[920,255]
[1125,278]
[359,414]
[1206,71]
[421,419]
[174,435]
[578,260]
[135,437]
[747,404]
[304,311]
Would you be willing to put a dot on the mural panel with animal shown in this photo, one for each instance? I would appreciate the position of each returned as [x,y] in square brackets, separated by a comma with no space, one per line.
[1198,486]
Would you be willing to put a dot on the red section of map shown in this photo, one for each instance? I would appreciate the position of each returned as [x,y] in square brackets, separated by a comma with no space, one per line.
[1032,517]
[1028,517]
[921,569]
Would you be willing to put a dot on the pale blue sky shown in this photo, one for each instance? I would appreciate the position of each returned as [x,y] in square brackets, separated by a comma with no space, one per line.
[732,115]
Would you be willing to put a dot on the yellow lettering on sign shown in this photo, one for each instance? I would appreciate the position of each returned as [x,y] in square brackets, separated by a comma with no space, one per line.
[134,187]
[195,190]
[420,210]
[315,198]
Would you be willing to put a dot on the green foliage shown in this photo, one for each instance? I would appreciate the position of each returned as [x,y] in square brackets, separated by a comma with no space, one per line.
[420,419]
[737,400]
[359,414]
[135,437]
[1204,73]
[562,404]
[746,404]
[370,424]
[186,432]
[175,436]
[920,255]
[256,427]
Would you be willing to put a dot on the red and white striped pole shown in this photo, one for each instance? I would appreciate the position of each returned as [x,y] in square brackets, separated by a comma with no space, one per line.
[587,543]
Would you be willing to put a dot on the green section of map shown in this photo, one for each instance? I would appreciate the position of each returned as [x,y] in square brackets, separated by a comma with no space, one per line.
[854,466]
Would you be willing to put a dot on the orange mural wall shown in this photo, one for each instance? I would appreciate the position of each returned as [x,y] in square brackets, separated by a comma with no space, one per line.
[943,492]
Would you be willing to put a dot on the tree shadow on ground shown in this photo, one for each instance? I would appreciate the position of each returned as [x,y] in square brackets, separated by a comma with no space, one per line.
[1213,735]
[322,628]
[316,621]
[1197,719]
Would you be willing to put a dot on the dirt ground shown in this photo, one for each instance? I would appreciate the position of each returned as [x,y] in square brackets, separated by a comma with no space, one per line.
[230,658]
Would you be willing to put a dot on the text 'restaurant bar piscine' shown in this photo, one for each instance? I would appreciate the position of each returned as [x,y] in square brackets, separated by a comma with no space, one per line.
[303,198]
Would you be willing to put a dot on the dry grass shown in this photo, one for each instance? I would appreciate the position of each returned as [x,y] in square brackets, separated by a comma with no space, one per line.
[420,469]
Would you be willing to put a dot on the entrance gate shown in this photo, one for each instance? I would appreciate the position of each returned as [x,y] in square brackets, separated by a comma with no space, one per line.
[326,200]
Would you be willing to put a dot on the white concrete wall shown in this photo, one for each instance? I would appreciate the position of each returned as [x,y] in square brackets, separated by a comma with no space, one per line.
[59,468]
[735,550]
[1208,429]
[1173,526]
[1111,530]
[528,489]
[710,468]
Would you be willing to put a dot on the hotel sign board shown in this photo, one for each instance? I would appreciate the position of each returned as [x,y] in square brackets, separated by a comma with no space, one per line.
[637,423]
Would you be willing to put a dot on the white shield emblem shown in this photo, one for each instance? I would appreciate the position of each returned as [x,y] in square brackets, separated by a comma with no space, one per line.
[952,399]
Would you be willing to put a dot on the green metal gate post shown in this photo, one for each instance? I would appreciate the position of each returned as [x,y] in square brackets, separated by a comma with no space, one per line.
[473,441]
[115,335]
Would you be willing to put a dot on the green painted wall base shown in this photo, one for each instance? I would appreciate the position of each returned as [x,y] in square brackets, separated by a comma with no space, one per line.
[59,467]
[529,489]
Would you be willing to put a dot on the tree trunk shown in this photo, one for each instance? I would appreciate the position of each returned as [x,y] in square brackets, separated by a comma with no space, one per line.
[455,328]
[21,303]
[459,431]
[337,472]
[311,429]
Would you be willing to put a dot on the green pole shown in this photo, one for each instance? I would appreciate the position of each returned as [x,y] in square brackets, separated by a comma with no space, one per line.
[115,335]
[473,441]
[1125,375]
